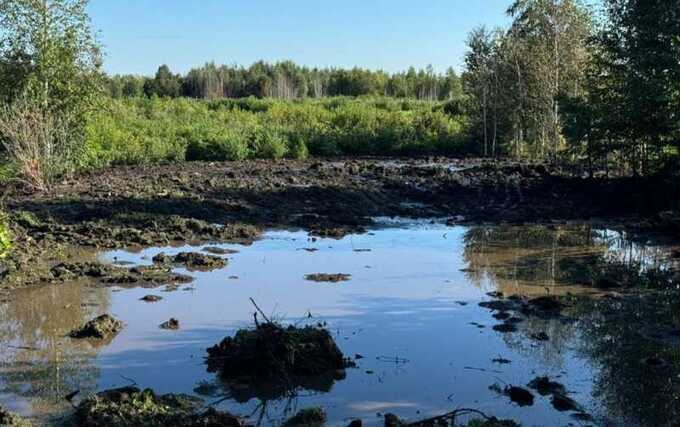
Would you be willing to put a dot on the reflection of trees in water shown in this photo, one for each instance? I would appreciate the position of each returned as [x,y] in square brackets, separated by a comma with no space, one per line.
[638,376]
[517,257]
[38,361]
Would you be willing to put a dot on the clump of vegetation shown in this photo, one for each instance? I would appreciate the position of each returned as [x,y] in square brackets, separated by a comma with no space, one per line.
[277,354]
[102,327]
[130,406]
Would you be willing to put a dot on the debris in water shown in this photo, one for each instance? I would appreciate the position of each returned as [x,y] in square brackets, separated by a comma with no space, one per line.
[324,277]
[277,354]
[519,395]
[172,324]
[216,250]
[151,298]
[191,260]
[102,327]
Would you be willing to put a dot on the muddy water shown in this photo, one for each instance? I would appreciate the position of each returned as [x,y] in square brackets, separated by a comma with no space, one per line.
[410,310]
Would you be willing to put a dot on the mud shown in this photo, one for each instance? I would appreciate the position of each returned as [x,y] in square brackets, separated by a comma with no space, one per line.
[309,417]
[172,324]
[325,277]
[103,327]
[282,358]
[193,261]
[233,201]
[131,407]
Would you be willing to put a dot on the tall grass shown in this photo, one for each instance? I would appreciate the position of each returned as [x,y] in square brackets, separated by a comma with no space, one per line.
[136,131]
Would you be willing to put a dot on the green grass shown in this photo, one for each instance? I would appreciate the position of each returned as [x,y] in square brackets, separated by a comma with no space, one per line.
[138,131]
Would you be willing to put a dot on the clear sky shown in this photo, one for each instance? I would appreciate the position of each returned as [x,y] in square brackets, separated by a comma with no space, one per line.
[139,35]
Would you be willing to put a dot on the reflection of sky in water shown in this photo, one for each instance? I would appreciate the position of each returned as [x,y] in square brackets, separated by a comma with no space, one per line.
[407,300]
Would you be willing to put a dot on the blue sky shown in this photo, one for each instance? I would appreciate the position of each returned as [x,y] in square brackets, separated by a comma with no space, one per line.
[139,35]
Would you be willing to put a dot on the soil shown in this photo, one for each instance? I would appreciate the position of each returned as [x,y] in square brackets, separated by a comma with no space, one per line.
[129,406]
[277,358]
[172,324]
[324,277]
[103,327]
[193,261]
[234,201]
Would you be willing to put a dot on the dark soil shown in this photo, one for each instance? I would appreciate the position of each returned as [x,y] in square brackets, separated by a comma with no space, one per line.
[324,277]
[309,417]
[103,327]
[172,324]
[234,201]
[277,355]
[192,261]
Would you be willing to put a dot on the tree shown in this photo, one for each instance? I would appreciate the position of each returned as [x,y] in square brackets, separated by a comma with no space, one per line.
[48,54]
[641,42]
[164,84]
[49,80]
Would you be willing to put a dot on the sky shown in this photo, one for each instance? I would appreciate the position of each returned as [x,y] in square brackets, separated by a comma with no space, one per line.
[140,35]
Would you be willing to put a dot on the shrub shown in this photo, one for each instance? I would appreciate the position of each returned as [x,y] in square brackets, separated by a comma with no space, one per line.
[37,141]
[135,131]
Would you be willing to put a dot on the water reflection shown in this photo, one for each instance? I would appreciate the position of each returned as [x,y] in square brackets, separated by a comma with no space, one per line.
[410,309]
[39,364]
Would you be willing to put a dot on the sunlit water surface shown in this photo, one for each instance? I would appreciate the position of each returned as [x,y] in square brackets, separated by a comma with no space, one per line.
[410,309]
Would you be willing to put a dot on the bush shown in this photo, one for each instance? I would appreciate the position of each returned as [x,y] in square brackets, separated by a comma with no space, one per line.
[137,131]
[38,143]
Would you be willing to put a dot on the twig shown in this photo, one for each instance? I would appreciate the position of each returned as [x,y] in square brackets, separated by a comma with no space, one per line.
[449,416]
[260,310]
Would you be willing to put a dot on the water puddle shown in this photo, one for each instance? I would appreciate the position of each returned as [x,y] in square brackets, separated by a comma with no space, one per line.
[409,313]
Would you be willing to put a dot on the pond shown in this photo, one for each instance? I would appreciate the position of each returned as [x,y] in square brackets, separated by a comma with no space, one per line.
[409,315]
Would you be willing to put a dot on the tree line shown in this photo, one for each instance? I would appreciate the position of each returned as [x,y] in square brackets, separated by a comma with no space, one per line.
[287,80]
[566,81]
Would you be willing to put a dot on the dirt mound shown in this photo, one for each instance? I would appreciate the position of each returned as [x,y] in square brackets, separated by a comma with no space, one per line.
[102,327]
[172,324]
[191,260]
[273,353]
[130,407]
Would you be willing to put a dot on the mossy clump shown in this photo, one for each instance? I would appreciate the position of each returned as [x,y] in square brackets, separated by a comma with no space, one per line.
[273,353]
[131,407]
[102,327]
[191,260]
[308,417]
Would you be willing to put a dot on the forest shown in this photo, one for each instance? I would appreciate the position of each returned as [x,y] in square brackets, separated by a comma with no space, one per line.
[564,83]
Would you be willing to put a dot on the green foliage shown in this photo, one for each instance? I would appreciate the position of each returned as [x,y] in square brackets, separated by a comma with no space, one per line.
[5,237]
[137,131]
[287,80]
[49,80]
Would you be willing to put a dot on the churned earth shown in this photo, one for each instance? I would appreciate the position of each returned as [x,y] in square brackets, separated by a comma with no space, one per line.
[236,201]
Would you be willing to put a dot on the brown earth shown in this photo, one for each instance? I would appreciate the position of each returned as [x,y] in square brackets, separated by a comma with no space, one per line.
[235,201]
